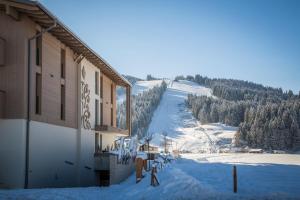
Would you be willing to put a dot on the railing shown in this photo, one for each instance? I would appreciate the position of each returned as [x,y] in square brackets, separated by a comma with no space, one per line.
[107,128]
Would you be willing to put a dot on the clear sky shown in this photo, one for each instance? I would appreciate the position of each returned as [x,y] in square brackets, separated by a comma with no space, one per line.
[255,40]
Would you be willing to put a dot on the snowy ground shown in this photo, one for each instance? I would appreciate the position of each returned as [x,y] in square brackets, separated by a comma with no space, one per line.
[196,176]
[186,132]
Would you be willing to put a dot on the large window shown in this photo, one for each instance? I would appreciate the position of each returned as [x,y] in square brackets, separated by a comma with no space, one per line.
[38,50]
[112,117]
[62,63]
[97,83]
[38,94]
[111,93]
[101,104]
[98,143]
[96,112]
[101,113]
[62,102]
[101,87]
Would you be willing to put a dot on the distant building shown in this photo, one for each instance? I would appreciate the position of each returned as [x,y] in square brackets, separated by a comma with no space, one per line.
[57,101]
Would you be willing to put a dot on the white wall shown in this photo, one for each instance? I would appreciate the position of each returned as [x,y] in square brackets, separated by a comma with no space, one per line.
[52,150]
[12,153]
[87,174]
[87,137]
[90,70]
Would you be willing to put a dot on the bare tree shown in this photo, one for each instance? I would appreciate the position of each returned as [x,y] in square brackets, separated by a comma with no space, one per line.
[148,138]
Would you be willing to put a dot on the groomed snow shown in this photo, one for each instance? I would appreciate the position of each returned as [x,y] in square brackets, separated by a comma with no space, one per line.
[187,134]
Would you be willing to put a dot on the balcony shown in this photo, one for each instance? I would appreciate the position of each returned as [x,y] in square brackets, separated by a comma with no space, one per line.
[111,129]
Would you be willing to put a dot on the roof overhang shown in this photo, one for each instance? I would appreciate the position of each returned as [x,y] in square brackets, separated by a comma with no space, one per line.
[40,15]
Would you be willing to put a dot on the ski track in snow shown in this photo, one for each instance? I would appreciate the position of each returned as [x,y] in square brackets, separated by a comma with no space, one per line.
[177,121]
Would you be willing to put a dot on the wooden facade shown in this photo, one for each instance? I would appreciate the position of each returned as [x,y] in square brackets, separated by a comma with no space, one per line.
[52,114]
[30,18]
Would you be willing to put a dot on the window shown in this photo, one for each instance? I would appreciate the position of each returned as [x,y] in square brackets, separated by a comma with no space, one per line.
[96,111]
[111,93]
[101,113]
[112,117]
[38,92]
[97,83]
[2,52]
[101,86]
[97,146]
[111,101]
[98,142]
[62,63]
[38,50]
[62,102]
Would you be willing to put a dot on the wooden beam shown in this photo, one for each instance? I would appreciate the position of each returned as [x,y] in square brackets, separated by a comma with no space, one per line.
[19,5]
[13,13]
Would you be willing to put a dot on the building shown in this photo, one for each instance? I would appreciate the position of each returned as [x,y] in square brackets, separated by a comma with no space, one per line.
[57,101]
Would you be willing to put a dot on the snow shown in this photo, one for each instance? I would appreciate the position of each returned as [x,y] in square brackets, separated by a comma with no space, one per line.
[138,88]
[141,86]
[196,176]
[177,121]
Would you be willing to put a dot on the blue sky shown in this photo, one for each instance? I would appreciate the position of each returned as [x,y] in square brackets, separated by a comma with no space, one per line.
[255,40]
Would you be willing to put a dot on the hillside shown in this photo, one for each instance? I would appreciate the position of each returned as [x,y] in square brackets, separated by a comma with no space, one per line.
[187,134]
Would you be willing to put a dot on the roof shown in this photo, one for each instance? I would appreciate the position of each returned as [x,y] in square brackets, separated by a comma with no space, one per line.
[40,15]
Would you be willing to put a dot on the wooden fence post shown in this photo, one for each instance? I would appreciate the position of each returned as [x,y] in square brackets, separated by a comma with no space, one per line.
[154,181]
[234,179]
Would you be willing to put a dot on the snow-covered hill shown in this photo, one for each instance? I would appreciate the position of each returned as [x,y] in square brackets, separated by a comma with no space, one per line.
[138,88]
[187,134]
[141,86]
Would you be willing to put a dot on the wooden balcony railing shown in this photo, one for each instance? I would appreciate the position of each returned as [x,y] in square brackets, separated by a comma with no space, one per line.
[111,129]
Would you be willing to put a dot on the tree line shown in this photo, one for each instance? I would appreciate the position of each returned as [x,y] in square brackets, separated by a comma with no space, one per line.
[267,117]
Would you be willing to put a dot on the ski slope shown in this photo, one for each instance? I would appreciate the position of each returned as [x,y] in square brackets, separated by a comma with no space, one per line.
[187,134]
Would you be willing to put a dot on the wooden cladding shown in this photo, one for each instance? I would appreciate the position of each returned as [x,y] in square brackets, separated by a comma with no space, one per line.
[38,94]
[2,52]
